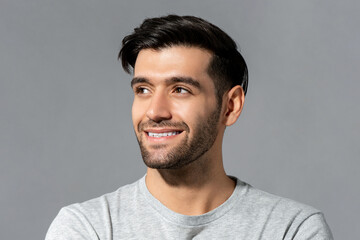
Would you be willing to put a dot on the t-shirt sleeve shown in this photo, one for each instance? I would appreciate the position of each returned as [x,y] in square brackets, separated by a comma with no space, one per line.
[70,224]
[314,228]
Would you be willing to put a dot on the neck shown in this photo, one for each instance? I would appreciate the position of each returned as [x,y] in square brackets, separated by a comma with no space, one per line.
[194,189]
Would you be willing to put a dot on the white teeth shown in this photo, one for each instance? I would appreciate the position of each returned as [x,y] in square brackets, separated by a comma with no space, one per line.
[162,134]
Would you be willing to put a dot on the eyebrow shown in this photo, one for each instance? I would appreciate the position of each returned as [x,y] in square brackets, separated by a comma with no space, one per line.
[186,80]
[136,80]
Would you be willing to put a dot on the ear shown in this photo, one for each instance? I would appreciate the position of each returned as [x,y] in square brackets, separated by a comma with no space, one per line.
[234,102]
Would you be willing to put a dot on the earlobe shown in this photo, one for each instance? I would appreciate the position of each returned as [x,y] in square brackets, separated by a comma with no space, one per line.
[234,105]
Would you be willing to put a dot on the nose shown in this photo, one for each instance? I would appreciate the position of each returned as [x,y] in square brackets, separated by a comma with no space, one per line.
[159,108]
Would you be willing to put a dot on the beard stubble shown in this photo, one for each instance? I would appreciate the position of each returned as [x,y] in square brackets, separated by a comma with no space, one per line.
[188,150]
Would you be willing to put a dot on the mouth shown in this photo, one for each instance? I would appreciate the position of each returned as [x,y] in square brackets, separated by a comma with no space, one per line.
[162,134]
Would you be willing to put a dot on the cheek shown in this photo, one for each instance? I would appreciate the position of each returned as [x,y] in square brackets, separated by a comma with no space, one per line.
[136,113]
[190,112]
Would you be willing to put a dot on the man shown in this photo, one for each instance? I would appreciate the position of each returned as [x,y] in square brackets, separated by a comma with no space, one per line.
[189,84]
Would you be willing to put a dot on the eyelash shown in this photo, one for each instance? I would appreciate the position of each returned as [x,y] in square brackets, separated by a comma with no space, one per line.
[139,90]
[181,89]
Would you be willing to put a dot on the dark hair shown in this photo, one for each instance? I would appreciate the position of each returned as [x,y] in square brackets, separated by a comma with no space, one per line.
[227,67]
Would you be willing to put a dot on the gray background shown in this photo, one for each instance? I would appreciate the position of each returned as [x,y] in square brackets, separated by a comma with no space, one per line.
[65,124]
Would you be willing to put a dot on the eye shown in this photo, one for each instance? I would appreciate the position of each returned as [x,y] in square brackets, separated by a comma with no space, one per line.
[181,90]
[141,90]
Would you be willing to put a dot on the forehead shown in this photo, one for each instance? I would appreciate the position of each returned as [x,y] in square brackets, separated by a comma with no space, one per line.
[173,61]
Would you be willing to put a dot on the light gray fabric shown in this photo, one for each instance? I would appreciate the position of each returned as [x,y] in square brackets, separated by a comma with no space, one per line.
[132,212]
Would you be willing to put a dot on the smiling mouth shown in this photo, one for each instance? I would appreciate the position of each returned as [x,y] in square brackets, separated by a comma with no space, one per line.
[163,134]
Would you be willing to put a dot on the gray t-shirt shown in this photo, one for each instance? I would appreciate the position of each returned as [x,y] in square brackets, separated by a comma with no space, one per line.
[132,212]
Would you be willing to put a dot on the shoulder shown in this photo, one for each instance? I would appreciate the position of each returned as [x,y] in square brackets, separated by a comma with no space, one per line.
[274,213]
[89,219]
[259,201]
[274,203]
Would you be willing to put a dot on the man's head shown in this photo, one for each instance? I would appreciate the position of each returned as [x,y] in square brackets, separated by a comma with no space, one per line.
[183,66]
[227,67]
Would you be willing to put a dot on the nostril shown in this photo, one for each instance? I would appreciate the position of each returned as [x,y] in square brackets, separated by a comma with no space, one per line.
[156,119]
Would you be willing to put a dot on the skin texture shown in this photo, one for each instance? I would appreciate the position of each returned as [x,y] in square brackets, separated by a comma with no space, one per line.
[172,106]
[174,93]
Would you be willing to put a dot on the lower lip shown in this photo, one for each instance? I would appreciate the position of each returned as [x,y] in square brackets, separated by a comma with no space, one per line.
[160,139]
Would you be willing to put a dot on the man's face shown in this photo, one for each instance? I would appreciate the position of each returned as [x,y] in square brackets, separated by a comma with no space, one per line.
[175,112]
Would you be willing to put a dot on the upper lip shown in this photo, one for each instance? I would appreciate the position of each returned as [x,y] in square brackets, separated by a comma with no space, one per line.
[162,130]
